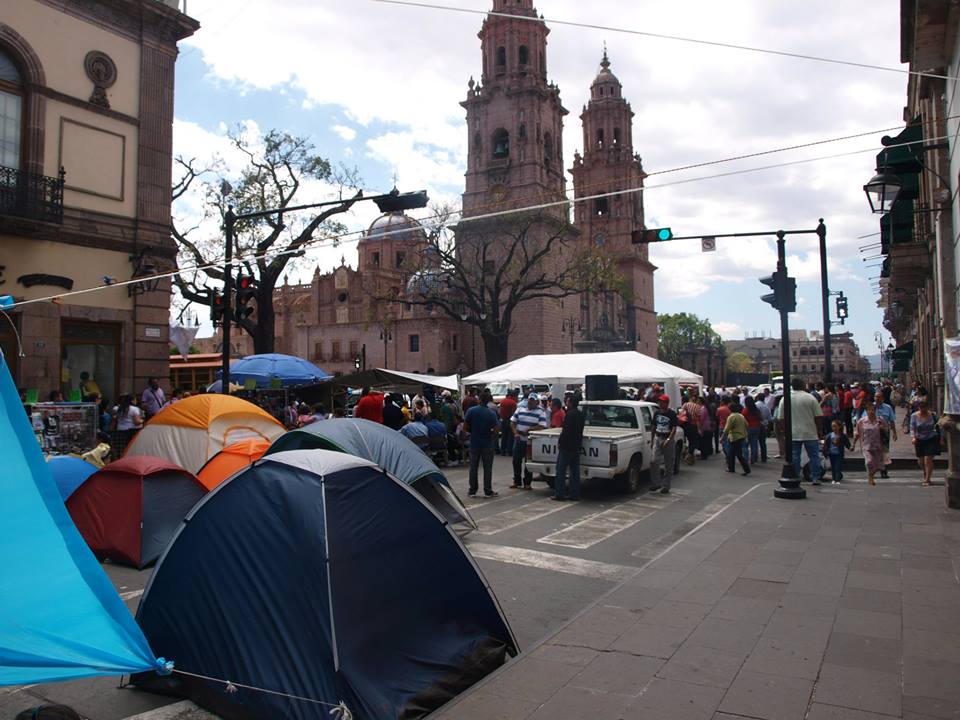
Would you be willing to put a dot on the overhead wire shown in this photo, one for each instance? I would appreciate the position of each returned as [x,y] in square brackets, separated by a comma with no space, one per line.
[338,240]
[665,36]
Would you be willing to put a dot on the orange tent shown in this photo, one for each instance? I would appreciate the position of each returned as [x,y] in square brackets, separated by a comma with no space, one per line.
[190,432]
[231,459]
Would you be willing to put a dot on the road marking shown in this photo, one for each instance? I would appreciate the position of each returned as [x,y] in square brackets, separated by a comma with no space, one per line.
[658,546]
[183,709]
[552,562]
[131,595]
[19,688]
[518,516]
[604,525]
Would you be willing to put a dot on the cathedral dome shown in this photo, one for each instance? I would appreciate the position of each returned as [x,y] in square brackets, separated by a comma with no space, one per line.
[428,283]
[606,77]
[396,226]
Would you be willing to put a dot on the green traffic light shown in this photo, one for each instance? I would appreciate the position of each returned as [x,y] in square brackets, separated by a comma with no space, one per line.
[664,234]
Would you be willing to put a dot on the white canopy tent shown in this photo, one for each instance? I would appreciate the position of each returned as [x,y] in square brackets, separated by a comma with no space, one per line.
[558,371]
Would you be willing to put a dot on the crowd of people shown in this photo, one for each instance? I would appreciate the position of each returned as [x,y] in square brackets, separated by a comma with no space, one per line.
[827,421]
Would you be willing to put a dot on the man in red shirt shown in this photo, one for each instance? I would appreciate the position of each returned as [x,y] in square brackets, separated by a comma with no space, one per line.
[557,413]
[507,407]
[370,406]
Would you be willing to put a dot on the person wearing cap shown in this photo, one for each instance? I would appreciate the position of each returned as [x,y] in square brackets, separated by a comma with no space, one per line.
[663,441]
[525,419]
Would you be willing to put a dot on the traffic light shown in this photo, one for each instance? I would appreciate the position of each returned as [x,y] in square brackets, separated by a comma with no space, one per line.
[784,295]
[246,288]
[357,363]
[842,312]
[651,235]
[216,308]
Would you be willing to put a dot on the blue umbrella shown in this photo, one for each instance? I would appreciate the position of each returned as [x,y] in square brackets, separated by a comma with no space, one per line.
[264,369]
[69,473]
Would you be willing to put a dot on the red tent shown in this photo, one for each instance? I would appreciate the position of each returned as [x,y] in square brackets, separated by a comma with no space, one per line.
[129,510]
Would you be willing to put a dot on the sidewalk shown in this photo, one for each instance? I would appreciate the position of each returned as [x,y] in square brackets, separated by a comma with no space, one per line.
[844,606]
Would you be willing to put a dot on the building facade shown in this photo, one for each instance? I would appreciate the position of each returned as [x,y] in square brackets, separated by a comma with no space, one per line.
[86,120]
[807,358]
[515,159]
[764,352]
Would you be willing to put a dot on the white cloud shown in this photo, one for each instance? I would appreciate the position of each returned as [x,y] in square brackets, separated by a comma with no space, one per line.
[728,330]
[346,133]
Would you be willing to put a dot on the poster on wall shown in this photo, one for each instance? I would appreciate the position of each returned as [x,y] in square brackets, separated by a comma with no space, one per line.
[951,371]
[65,427]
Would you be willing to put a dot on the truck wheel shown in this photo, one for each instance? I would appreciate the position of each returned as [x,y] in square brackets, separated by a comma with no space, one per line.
[629,481]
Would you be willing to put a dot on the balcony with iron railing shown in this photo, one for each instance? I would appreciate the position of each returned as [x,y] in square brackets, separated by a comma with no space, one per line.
[30,196]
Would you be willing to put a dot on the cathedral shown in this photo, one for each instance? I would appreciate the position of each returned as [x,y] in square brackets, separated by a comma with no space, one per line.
[515,124]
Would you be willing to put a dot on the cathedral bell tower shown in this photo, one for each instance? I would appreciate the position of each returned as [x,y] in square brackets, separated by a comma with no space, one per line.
[514,116]
[609,164]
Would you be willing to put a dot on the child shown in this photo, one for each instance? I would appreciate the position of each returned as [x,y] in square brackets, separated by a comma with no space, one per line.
[834,446]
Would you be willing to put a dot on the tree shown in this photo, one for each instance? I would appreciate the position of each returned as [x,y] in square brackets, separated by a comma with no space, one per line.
[280,170]
[490,269]
[683,331]
[740,362]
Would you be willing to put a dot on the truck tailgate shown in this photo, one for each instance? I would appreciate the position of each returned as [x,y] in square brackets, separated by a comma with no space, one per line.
[596,445]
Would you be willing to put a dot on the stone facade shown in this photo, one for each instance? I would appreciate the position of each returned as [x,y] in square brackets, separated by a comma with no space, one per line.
[515,159]
[93,80]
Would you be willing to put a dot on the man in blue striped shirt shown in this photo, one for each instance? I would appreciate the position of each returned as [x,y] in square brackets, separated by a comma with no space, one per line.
[525,419]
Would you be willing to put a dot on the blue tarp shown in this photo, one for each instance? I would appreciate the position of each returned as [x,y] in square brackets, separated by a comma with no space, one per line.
[69,473]
[317,575]
[289,370]
[60,617]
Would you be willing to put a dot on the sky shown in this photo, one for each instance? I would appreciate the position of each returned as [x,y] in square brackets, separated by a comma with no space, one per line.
[377,87]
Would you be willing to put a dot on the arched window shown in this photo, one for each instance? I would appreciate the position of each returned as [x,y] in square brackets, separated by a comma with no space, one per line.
[524,55]
[616,136]
[11,112]
[523,130]
[601,207]
[600,138]
[548,147]
[477,141]
[501,59]
[501,143]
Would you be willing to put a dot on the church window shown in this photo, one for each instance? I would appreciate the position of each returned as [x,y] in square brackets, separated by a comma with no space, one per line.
[501,59]
[600,138]
[601,207]
[401,258]
[524,55]
[375,259]
[548,147]
[414,343]
[616,136]
[501,143]
[523,130]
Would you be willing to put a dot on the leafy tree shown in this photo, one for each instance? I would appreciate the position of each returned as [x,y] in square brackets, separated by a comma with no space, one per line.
[485,273]
[740,362]
[683,331]
[280,171]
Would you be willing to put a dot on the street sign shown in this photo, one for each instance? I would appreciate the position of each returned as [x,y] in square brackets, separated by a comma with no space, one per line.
[708,244]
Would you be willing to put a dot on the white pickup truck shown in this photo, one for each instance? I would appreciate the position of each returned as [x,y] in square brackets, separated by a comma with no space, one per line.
[616,444]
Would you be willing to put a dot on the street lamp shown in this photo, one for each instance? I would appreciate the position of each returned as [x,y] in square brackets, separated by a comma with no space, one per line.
[882,191]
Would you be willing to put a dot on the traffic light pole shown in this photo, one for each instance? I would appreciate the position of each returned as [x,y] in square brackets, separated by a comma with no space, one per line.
[789,482]
[825,297]
[229,222]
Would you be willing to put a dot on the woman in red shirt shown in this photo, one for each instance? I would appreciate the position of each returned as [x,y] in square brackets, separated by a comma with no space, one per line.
[754,425]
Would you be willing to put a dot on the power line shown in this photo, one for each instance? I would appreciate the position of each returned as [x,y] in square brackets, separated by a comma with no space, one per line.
[664,36]
[338,240]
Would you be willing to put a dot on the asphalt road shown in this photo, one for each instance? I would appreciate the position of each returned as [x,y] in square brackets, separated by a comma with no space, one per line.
[545,561]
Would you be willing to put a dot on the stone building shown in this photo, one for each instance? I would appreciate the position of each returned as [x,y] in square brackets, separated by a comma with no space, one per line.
[515,159]
[807,358]
[86,119]
[764,352]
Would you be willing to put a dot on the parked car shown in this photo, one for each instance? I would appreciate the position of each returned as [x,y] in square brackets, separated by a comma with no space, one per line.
[616,444]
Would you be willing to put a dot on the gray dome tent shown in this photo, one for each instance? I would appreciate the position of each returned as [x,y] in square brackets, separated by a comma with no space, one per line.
[317,575]
[388,449]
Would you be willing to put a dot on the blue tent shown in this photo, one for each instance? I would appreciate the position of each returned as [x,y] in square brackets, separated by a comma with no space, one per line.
[386,448]
[69,473]
[60,618]
[316,574]
[264,369]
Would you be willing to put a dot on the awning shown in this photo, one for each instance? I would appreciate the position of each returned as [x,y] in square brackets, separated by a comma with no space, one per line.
[394,379]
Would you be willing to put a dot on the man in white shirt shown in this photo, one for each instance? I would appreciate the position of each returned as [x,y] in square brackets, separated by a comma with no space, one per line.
[804,411]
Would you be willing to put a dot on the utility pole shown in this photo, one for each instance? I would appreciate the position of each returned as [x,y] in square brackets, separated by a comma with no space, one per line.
[825,297]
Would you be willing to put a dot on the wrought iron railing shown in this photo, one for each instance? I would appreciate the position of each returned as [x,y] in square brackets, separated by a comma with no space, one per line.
[35,197]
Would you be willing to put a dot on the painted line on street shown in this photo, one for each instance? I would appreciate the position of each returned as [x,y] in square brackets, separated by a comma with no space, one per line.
[603,525]
[19,688]
[131,595]
[552,562]
[518,516]
[184,710]
[658,546]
